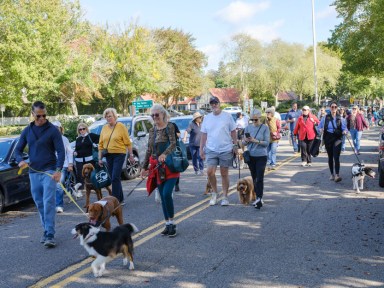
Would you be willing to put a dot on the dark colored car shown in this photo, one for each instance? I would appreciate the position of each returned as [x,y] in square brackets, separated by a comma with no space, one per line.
[14,188]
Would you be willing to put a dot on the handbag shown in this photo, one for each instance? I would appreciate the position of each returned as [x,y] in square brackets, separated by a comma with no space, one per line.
[247,156]
[95,150]
[100,177]
[177,161]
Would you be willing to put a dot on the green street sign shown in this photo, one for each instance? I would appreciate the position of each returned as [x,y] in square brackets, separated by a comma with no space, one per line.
[143,104]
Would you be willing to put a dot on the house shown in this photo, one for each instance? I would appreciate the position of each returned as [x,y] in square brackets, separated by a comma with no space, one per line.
[230,96]
[284,96]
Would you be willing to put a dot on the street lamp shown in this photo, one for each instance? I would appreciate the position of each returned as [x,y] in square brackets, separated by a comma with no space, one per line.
[2,108]
[314,51]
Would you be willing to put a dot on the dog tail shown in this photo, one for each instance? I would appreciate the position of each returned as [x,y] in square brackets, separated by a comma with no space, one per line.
[131,227]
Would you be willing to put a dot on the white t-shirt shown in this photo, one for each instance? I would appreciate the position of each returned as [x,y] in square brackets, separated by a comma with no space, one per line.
[218,129]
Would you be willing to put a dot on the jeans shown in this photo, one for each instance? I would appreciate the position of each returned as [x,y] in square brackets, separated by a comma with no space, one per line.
[198,163]
[43,189]
[271,150]
[115,163]
[305,150]
[165,190]
[59,190]
[257,168]
[356,136]
[294,142]
[333,151]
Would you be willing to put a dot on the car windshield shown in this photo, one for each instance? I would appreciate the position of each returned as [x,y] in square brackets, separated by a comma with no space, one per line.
[182,123]
[5,145]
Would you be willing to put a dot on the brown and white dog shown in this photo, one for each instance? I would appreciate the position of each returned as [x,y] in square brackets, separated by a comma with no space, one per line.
[246,190]
[86,173]
[100,212]
[208,188]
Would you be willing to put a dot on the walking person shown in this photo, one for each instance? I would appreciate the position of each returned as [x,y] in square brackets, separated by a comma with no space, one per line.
[356,124]
[85,143]
[218,144]
[274,130]
[257,145]
[161,143]
[320,115]
[305,129]
[333,126]
[67,168]
[115,141]
[194,142]
[46,159]
[291,118]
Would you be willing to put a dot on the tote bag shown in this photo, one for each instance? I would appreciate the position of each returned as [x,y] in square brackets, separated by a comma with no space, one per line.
[100,177]
[177,161]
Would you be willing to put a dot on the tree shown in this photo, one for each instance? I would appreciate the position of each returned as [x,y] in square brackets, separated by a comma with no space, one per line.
[359,36]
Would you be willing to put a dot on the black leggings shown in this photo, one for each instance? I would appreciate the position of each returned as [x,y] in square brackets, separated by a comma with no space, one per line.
[333,150]
[257,168]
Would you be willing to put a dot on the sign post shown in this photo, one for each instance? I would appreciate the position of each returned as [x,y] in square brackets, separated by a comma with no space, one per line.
[143,104]
[264,105]
[2,108]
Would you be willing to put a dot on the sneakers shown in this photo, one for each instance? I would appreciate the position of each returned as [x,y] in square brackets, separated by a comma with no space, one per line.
[196,172]
[177,188]
[309,164]
[213,200]
[224,202]
[43,238]
[50,241]
[332,178]
[303,164]
[59,209]
[165,231]
[258,203]
[337,178]
[171,230]
[201,172]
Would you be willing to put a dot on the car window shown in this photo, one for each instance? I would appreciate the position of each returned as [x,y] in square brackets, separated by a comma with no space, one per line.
[5,145]
[148,125]
[138,127]
[128,124]
[182,123]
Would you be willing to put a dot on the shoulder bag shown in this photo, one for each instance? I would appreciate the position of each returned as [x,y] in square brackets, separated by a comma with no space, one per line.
[95,150]
[177,161]
[100,177]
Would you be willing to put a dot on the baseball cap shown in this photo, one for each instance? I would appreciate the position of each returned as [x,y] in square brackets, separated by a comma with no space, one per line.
[57,123]
[214,99]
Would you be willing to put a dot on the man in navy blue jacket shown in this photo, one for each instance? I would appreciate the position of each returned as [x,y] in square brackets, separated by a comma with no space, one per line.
[46,155]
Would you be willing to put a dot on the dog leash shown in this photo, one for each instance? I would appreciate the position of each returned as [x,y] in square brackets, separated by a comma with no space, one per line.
[141,181]
[353,148]
[61,185]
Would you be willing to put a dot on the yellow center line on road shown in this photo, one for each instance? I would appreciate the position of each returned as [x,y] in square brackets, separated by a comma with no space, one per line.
[178,219]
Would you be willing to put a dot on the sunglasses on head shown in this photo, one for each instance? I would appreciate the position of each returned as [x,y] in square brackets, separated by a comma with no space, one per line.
[155,115]
[39,116]
[82,129]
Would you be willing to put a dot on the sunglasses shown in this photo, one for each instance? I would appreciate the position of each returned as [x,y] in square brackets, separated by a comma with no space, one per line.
[82,129]
[155,115]
[354,108]
[333,106]
[213,103]
[39,116]
[255,120]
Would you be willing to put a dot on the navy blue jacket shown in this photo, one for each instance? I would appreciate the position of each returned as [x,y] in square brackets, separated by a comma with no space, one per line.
[43,143]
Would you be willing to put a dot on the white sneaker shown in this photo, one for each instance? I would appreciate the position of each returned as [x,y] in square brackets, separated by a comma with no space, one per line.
[59,210]
[303,164]
[224,202]
[201,172]
[309,164]
[213,200]
[258,203]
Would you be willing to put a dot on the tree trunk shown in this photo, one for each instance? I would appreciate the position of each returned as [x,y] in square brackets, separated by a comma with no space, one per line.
[73,105]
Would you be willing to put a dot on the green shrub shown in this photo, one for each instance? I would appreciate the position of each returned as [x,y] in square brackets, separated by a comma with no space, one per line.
[70,127]
[11,130]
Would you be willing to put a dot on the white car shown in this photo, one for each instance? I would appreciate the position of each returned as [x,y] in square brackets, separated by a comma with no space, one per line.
[233,109]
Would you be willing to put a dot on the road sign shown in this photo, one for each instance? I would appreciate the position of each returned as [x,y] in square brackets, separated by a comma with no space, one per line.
[250,104]
[264,105]
[143,104]
[2,107]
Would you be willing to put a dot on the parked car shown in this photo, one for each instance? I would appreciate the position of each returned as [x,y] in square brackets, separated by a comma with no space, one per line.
[284,125]
[182,122]
[138,129]
[87,119]
[14,188]
[233,109]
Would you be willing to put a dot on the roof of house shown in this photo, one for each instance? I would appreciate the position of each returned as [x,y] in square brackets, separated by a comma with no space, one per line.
[285,96]
[226,95]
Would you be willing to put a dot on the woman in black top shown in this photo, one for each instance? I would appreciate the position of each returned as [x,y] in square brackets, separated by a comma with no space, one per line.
[85,142]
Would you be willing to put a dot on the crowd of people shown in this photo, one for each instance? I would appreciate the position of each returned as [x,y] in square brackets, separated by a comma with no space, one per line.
[214,140]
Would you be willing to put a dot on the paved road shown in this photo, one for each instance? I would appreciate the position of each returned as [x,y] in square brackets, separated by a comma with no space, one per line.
[311,232]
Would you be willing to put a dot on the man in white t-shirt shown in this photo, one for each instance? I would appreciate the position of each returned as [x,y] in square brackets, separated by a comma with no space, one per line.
[217,145]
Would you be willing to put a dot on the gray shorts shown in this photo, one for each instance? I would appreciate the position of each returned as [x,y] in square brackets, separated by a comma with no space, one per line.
[223,159]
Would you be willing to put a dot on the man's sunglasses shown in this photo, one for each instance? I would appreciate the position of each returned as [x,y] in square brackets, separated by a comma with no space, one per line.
[39,116]
[155,115]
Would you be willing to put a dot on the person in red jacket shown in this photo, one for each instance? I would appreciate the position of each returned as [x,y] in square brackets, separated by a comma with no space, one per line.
[305,128]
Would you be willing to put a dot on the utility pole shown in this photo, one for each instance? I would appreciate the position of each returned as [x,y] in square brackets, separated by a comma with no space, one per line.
[314,52]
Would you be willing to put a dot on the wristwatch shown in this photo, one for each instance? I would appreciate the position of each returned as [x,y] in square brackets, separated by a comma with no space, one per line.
[58,169]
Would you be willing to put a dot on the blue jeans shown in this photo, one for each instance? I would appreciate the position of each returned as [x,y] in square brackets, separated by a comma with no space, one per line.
[198,163]
[165,190]
[271,150]
[43,189]
[115,163]
[257,168]
[294,142]
[356,136]
[59,190]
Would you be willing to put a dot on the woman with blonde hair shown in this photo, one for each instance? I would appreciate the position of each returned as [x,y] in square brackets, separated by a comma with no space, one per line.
[161,143]
[274,130]
[115,142]
[85,143]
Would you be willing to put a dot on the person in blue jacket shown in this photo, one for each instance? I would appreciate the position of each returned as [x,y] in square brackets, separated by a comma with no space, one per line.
[44,141]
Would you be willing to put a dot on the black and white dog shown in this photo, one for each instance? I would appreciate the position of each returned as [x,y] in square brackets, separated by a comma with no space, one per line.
[106,245]
[358,173]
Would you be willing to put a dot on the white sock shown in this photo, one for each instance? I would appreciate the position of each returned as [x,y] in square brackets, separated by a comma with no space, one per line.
[170,222]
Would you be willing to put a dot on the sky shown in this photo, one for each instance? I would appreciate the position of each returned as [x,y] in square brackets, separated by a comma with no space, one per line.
[213,22]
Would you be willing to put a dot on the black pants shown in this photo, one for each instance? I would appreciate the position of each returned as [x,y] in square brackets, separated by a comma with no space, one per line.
[333,150]
[257,168]
[305,150]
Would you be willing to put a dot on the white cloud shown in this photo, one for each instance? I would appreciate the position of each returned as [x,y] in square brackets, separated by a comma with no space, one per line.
[263,33]
[328,12]
[239,11]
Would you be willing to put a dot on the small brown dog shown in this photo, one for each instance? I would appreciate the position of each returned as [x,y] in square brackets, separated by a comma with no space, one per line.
[208,188]
[103,210]
[246,190]
[86,172]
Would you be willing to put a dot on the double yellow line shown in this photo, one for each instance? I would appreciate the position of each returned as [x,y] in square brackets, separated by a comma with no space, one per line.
[141,236]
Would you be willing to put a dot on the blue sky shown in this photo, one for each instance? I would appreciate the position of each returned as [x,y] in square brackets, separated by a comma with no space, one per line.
[212,22]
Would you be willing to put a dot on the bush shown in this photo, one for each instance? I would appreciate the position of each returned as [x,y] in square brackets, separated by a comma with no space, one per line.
[70,127]
[11,130]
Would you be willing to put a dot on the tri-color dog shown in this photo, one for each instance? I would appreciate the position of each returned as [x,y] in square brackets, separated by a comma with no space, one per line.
[106,245]
[358,173]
